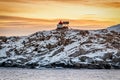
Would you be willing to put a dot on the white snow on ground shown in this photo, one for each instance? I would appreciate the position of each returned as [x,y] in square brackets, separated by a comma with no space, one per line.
[100,53]
[58,57]
[114,28]
[70,46]
[60,46]
[3,52]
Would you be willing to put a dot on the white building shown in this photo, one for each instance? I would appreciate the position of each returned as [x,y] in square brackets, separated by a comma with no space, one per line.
[63,24]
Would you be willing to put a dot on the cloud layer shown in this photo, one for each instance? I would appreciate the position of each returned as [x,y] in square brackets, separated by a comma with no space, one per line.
[33,13]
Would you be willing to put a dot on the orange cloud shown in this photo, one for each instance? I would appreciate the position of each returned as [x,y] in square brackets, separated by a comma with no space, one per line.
[19,21]
[20,1]
[101,3]
[112,4]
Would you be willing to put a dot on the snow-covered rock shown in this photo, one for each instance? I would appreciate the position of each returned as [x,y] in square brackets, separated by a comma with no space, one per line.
[115,28]
[62,48]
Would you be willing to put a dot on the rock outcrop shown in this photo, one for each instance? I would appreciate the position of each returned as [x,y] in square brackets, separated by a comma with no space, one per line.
[68,48]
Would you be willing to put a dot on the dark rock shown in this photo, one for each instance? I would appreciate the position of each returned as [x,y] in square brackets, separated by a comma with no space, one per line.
[86,59]
[116,59]
[60,49]
[83,58]
[32,65]
[107,66]
[77,53]
[108,56]
[116,66]
[8,63]
[118,54]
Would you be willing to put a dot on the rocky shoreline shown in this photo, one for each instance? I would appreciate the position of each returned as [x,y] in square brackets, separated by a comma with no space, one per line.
[67,48]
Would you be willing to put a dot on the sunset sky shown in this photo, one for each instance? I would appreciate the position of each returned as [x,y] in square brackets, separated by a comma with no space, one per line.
[24,17]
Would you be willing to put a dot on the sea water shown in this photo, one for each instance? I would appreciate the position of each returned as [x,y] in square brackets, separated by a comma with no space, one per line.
[58,74]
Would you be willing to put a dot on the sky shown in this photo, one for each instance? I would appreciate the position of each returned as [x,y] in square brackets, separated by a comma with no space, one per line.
[24,17]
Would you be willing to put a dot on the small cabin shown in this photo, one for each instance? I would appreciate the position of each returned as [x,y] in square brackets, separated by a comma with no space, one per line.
[63,24]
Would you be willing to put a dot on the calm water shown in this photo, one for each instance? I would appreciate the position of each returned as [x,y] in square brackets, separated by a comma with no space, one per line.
[58,74]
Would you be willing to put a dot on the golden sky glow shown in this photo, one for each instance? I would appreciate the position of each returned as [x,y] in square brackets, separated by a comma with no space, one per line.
[22,17]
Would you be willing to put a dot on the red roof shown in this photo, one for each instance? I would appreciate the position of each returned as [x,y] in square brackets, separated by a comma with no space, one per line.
[60,22]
